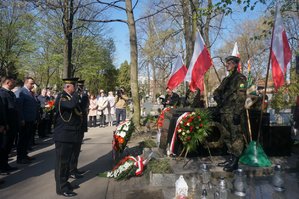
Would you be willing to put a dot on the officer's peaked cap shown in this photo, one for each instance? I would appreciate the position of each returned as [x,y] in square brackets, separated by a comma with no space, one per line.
[81,82]
[72,80]
[232,58]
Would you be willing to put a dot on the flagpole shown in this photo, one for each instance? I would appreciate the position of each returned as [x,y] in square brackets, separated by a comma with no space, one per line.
[266,83]
[216,73]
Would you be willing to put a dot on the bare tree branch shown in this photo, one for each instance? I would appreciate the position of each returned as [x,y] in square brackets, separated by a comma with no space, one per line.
[153,14]
[105,21]
[113,4]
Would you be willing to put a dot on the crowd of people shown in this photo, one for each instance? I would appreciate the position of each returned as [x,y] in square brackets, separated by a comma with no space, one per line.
[28,113]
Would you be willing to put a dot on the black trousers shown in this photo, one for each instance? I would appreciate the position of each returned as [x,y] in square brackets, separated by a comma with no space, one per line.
[7,141]
[75,155]
[64,151]
[25,137]
[92,121]
[43,127]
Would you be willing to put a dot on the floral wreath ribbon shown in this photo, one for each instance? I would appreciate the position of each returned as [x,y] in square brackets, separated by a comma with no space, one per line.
[176,130]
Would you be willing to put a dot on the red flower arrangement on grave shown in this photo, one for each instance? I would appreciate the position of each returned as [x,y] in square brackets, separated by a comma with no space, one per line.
[122,135]
[161,118]
[193,129]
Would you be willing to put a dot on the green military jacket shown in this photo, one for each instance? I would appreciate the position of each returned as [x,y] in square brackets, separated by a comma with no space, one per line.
[231,94]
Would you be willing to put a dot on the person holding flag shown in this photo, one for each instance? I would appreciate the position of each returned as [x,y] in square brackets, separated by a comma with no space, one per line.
[230,97]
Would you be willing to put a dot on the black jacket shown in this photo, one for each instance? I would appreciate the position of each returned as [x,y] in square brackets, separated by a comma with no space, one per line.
[68,120]
[10,107]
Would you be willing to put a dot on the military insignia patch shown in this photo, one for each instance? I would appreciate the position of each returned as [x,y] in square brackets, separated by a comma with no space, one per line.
[242,86]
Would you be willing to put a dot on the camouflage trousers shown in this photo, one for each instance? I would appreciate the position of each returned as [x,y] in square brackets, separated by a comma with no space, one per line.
[233,137]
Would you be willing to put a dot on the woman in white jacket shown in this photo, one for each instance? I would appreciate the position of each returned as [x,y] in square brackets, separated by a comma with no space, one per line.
[111,108]
[102,108]
[92,114]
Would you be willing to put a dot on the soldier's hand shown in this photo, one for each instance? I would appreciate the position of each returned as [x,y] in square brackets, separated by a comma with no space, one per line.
[236,119]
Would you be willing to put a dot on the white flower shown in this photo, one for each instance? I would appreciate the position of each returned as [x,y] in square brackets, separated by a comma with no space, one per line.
[180,130]
[122,134]
[188,131]
[188,124]
[181,122]
[183,133]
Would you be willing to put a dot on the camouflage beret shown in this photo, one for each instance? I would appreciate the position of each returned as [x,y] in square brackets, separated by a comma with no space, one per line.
[232,58]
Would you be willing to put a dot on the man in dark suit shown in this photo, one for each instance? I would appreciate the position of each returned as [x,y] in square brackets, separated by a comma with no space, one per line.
[28,114]
[44,122]
[67,130]
[10,108]
[84,104]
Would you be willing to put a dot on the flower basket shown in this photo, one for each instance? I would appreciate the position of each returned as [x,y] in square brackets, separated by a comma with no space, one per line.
[192,128]
[122,135]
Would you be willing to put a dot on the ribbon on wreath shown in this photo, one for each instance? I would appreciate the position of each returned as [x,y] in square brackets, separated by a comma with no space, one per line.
[138,162]
[162,117]
[175,131]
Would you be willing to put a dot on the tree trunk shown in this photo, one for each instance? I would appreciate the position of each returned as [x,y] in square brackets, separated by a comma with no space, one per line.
[67,21]
[154,80]
[187,30]
[134,63]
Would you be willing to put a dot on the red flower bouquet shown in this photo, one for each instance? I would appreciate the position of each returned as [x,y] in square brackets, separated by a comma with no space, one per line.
[50,105]
[192,129]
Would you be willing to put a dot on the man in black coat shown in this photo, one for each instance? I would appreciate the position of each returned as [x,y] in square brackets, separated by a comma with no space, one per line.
[171,98]
[84,104]
[67,130]
[12,122]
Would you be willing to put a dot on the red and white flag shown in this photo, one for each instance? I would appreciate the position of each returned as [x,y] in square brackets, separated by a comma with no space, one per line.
[237,54]
[200,63]
[178,73]
[280,52]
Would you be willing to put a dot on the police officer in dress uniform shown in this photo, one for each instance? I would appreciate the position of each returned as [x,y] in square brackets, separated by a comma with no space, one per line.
[67,130]
[84,104]
[230,97]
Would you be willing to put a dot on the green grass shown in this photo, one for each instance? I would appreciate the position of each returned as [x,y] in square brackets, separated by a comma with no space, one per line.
[158,166]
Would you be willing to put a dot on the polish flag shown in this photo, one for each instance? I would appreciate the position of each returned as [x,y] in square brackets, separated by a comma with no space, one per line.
[178,73]
[280,52]
[200,63]
[237,54]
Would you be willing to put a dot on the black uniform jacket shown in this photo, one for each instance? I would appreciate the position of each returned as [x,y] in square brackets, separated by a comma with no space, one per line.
[68,119]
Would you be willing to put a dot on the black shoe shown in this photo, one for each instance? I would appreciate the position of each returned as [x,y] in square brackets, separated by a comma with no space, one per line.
[76,176]
[23,161]
[226,162]
[75,186]
[68,194]
[233,165]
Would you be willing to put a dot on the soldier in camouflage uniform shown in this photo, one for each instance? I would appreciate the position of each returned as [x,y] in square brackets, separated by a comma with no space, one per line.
[230,97]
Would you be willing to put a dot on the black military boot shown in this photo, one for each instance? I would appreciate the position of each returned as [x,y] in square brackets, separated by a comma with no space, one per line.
[233,165]
[226,162]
